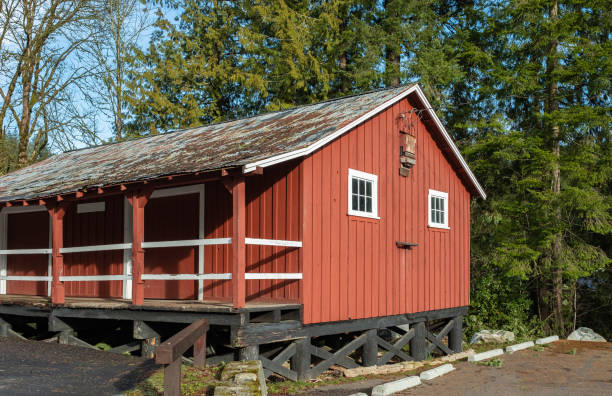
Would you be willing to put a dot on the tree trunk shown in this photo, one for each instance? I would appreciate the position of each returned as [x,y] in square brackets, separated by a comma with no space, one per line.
[392,53]
[557,272]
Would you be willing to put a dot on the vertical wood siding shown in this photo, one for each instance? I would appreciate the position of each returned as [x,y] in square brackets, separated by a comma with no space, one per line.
[352,268]
[273,201]
[172,219]
[27,231]
[96,228]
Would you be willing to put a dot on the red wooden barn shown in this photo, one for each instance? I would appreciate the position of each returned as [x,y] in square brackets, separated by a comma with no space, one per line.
[346,216]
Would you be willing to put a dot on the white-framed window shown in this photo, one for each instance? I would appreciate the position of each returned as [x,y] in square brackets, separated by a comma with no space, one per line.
[438,209]
[362,194]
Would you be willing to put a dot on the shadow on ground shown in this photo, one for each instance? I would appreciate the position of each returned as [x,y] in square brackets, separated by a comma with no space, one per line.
[40,368]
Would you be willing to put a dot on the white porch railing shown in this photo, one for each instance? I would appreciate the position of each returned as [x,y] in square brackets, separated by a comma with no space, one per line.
[222,276]
[25,251]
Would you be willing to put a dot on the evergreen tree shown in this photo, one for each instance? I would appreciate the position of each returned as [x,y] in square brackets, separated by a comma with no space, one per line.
[194,72]
[546,159]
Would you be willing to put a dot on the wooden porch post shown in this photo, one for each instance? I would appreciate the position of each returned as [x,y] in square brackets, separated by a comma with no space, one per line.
[238,243]
[57,213]
[138,199]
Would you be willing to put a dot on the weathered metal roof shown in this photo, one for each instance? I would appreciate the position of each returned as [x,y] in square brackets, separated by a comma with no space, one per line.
[224,145]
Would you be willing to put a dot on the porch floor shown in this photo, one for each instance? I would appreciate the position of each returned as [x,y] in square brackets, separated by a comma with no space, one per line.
[149,304]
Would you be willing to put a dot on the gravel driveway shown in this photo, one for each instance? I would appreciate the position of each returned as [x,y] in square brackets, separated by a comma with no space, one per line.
[552,371]
[40,368]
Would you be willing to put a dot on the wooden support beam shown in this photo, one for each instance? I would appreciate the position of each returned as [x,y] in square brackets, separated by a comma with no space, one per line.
[57,213]
[138,199]
[417,342]
[150,339]
[370,349]
[199,352]
[250,352]
[455,337]
[300,362]
[238,243]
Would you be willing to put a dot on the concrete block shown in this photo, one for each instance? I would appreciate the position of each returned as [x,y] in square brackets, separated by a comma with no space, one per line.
[390,388]
[485,355]
[437,371]
[518,347]
[359,394]
[547,340]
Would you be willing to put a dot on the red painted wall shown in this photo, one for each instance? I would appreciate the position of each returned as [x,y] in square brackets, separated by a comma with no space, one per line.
[352,268]
[97,228]
[169,219]
[272,202]
[27,231]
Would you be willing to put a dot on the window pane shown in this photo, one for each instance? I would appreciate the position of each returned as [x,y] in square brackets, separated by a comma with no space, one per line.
[441,217]
[362,187]
[438,217]
[355,186]
[369,205]
[361,204]
[442,204]
[433,203]
[369,189]
[355,205]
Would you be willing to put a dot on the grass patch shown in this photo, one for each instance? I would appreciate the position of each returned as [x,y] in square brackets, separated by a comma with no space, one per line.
[539,348]
[492,363]
[293,387]
[330,378]
[571,351]
[194,381]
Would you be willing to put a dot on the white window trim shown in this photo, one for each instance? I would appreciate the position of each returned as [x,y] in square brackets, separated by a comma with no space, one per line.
[438,194]
[370,177]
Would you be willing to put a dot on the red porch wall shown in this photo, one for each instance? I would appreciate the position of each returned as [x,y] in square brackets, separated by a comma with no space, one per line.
[96,228]
[352,268]
[272,201]
[27,231]
[169,219]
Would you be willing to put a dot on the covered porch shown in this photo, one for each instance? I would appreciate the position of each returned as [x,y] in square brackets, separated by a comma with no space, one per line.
[224,243]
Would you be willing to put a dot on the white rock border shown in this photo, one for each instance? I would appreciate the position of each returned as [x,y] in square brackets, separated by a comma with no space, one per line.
[436,372]
[547,340]
[485,355]
[390,388]
[519,347]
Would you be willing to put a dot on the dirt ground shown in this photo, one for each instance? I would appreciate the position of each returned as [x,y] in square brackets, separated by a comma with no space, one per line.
[552,371]
[39,368]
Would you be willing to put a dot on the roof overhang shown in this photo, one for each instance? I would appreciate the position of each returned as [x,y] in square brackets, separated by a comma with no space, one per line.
[412,90]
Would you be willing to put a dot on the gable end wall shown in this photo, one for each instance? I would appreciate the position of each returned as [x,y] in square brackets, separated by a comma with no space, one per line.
[352,267]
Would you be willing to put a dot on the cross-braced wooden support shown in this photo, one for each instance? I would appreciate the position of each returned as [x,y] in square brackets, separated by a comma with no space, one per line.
[364,348]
